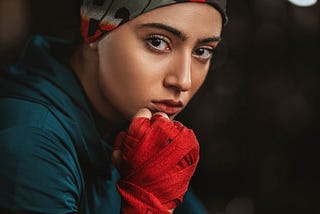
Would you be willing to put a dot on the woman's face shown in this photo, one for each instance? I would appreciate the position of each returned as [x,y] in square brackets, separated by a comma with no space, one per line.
[157,60]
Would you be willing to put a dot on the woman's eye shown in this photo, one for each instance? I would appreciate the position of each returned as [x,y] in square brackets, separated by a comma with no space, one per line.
[203,53]
[158,44]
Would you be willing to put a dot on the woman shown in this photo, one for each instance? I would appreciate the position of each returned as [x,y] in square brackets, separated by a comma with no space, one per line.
[65,114]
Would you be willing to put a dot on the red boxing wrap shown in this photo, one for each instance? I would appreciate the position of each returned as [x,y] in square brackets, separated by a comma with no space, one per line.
[159,157]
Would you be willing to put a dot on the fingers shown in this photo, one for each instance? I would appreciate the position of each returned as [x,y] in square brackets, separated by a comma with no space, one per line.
[142,120]
[143,112]
[137,129]
[161,114]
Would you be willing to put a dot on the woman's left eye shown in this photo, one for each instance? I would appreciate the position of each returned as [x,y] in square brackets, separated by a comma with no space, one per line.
[158,43]
[203,53]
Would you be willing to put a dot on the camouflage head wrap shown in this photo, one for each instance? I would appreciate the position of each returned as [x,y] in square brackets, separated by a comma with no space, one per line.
[101,16]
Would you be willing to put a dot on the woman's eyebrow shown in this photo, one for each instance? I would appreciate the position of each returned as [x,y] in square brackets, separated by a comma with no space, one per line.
[172,30]
[210,39]
[178,33]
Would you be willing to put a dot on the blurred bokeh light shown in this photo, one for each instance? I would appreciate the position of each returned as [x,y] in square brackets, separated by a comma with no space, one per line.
[303,3]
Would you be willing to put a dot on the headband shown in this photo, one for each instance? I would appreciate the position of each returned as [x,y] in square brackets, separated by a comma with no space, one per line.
[99,17]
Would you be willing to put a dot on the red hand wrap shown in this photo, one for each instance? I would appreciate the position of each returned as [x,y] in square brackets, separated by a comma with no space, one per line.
[159,157]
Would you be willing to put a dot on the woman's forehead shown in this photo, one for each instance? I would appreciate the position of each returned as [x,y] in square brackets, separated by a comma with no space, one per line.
[183,18]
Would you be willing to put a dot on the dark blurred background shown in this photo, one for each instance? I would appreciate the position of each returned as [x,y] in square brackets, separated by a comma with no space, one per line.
[256,116]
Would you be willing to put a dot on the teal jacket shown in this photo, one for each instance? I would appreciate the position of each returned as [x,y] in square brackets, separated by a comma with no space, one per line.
[52,157]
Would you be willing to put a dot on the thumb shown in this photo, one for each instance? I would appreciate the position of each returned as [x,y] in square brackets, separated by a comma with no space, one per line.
[116,157]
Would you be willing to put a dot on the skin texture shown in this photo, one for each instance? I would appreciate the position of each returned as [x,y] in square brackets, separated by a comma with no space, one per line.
[160,56]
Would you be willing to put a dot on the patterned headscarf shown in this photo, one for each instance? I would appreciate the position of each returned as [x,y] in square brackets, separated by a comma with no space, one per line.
[101,16]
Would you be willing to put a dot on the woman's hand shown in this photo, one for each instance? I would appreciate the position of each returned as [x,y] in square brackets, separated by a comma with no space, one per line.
[156,159]
[143,113]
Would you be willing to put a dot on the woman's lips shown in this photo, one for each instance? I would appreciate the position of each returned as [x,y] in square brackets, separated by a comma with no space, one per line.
[168,106]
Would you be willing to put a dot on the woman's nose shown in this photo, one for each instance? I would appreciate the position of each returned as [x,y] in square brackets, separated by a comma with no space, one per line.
[179,73]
